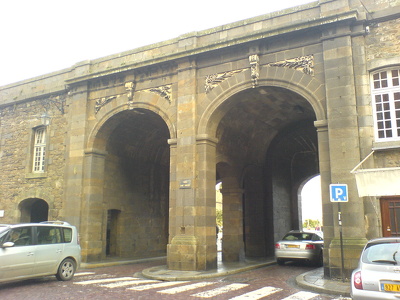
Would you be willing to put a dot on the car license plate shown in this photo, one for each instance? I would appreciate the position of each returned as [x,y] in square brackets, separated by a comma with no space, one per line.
[389,287]
[293,246]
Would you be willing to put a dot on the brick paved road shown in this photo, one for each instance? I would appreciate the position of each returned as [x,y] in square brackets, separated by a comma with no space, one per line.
[126,282]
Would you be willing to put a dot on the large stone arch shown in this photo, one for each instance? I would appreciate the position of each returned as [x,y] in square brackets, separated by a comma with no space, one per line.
[213,108]
[99,132]
[98,185]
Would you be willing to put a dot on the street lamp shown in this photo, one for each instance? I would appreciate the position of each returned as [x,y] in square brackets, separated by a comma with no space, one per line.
[45,119]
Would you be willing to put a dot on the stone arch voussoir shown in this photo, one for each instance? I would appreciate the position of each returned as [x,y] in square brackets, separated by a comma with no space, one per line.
[36,194]
[303,84]
[99,134]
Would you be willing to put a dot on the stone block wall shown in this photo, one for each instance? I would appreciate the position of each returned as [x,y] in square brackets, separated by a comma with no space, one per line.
[16,139]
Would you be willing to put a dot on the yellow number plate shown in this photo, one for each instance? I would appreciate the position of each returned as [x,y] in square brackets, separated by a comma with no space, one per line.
[391,287]
[292,246]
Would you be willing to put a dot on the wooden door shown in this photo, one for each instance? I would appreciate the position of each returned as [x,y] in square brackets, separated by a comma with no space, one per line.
[390,210]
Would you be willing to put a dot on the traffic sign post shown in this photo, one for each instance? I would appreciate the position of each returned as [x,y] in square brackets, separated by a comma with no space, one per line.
[338,194]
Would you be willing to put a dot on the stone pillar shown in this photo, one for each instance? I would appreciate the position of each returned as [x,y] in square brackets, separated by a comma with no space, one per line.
[92,208]
[182,244]
[175,217]
[325,172]
[191,210]
[193,217]
[206,202]
[344,148]
[75,145]
[232,242]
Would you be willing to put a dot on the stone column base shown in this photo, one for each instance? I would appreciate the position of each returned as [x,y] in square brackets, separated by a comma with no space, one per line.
[352,248]
[232,248]
[182,253]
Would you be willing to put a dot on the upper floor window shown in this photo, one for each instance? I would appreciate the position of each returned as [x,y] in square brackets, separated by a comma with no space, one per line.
[39,150]
[386,104]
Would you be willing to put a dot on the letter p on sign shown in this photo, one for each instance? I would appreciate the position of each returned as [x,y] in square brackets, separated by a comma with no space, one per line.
[338,193]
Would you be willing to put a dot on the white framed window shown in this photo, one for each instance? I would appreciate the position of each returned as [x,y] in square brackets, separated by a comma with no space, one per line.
[39,150]
[386,104]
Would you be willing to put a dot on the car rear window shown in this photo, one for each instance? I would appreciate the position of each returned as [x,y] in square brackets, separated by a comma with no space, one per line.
[383,253]
[49,235]
[67,235]
[297,236]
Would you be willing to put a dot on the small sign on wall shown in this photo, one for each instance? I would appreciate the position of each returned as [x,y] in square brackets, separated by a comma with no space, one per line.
[185,184]
[1,213]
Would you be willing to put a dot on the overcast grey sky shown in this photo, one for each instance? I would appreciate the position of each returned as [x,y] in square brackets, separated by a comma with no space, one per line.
[43,36]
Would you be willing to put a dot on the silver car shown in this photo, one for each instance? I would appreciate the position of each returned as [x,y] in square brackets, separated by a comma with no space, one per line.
[39,249]
[300,245]
[378,272]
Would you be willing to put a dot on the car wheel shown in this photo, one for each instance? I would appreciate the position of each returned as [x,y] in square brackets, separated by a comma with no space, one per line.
[280,261]
[66,270]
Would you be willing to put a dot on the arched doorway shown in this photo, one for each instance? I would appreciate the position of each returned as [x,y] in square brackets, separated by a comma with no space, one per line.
[34,210]
[131,180]
[292,158]
[112,247]
[267,137]
[310,204]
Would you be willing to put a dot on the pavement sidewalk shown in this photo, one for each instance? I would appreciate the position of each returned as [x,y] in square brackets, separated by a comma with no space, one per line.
[313,280]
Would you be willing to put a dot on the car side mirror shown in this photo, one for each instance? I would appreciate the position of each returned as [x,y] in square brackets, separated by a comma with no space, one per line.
[7,245]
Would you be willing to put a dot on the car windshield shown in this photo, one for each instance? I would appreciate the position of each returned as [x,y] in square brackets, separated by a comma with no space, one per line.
[384,253]
[298,236]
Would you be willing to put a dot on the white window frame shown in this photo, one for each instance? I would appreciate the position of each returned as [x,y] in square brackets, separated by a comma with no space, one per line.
[385,91]
[39,150]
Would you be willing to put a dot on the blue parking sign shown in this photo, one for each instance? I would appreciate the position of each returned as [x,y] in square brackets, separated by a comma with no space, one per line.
[338,193]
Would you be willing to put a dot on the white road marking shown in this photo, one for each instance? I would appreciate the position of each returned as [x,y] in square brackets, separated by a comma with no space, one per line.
[185,288]
[104,280]
[156,285]
[258,294]
[135,281]
[84,273]
[301,296]
[221,290]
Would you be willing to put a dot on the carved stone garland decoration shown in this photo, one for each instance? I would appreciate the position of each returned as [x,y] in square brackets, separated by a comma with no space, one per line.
[163,91]
[101,102]
[213,80]
[303,63]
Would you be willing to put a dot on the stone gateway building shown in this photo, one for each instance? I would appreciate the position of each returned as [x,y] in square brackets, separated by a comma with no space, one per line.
[129,147]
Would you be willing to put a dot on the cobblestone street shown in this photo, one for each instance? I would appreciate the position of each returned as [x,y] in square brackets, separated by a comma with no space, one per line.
[126,282]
